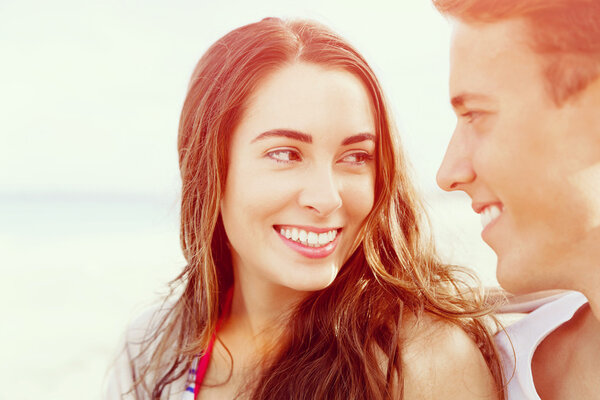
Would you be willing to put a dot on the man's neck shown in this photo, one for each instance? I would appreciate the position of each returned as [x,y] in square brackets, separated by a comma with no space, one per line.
[586,267]
[567,363]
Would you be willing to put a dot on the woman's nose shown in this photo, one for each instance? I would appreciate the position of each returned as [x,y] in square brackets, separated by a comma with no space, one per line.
[321,192]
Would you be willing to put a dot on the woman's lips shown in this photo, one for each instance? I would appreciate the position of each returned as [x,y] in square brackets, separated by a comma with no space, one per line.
[310,250]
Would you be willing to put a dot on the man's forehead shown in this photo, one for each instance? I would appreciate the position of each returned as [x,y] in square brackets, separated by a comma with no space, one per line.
[489,41]
[486,56]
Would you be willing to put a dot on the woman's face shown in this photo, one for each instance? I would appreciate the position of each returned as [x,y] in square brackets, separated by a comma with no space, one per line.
[300,179]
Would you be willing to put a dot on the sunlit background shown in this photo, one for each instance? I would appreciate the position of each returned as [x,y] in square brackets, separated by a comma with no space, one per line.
[90,95]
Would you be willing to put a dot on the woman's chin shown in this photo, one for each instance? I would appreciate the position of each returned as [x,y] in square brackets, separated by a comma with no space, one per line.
[311,281]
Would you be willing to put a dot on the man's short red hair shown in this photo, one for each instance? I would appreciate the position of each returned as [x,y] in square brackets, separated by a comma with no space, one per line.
[566,33]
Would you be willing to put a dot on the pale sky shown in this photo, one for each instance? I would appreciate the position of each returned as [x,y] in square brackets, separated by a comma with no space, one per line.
[91,92]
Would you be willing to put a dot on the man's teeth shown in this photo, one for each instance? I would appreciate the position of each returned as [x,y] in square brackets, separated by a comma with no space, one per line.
[489,214]
[307,238]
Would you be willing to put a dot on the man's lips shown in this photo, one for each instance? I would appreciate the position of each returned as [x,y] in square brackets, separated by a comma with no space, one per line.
[489,211]
[478,207]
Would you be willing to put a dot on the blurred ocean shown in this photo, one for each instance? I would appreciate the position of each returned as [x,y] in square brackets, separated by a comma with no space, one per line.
[77,268]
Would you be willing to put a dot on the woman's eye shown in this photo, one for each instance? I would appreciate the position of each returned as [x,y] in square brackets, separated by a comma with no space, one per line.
[358,158]
[284,155]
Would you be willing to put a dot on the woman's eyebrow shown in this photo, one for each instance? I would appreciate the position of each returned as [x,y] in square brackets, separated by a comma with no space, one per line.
[302,137]
[361,137]
[306,138]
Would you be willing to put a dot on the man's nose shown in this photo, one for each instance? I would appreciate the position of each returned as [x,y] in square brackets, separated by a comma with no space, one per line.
[456,169]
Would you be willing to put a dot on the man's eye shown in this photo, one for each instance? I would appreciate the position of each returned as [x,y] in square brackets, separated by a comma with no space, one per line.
[284,155]
[358,158]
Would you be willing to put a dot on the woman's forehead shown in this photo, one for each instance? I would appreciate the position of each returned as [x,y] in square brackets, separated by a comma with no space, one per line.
[311,99]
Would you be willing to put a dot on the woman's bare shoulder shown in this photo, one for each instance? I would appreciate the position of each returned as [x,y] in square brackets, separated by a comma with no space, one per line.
[440,361]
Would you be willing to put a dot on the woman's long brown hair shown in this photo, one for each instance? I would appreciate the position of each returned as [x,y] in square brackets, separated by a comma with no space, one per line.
[336,336]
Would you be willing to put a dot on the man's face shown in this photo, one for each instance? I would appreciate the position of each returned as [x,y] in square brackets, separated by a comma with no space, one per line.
[531,168]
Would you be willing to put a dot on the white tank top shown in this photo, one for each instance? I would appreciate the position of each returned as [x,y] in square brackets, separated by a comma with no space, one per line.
[526,334]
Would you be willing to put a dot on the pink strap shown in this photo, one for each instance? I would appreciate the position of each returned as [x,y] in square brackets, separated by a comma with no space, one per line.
[205,358]
[203,365]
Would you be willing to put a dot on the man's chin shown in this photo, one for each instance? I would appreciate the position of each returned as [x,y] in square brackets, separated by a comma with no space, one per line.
[514,278]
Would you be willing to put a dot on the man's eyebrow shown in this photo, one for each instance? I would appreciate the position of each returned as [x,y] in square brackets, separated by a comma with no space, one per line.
[361,137]
[302,137]
[461,99]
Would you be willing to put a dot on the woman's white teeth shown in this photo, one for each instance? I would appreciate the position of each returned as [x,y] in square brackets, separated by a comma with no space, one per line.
[307,238]
[323,239]
[489,214]
[313,238]
[302,235]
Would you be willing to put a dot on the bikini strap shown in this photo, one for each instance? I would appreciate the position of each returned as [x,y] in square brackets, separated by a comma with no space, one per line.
[204,359]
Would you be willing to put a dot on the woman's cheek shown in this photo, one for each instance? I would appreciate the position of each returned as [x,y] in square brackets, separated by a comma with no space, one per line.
[273,188]
[359,195]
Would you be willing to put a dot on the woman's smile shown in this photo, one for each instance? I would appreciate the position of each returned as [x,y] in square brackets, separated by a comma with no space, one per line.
[308,241]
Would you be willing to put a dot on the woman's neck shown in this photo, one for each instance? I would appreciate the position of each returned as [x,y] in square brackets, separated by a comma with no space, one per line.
[259,311]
